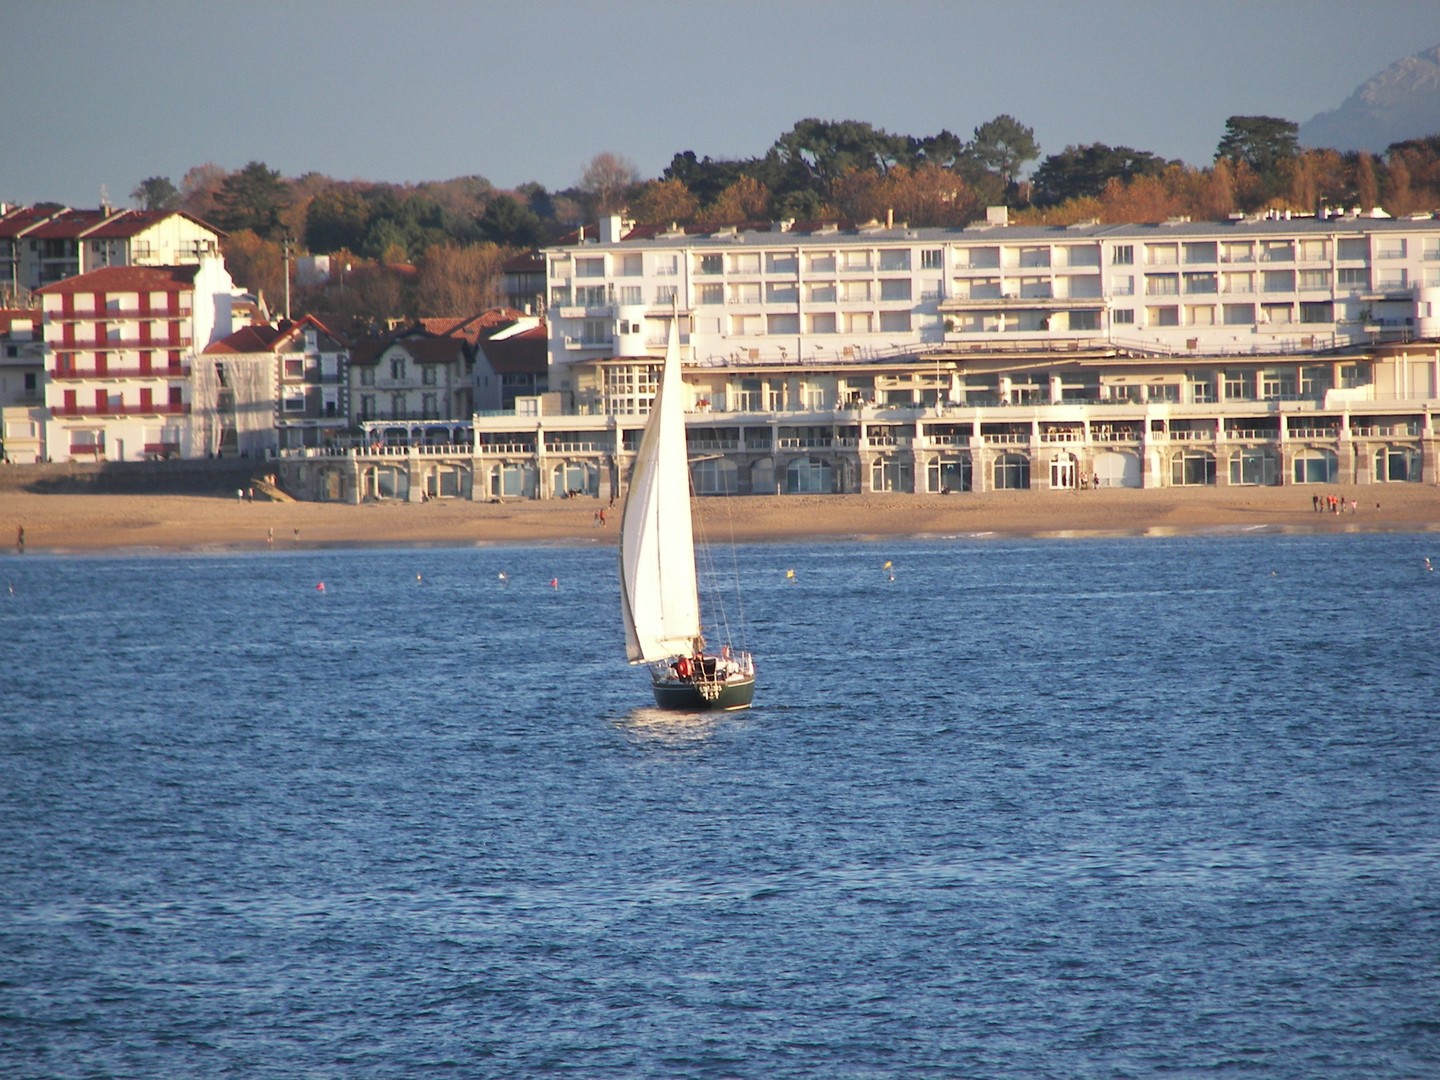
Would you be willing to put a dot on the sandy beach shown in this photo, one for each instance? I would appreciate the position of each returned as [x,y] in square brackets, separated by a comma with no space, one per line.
[90,522]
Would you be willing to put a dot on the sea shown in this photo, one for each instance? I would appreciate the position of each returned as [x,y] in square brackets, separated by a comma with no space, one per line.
[1124,807]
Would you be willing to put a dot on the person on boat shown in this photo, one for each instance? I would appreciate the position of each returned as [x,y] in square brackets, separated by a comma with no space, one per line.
[682,667]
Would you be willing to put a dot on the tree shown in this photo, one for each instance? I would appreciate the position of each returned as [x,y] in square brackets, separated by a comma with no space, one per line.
[607,181]
[1262,142]
[1003,145]
[825,150]
[1083,171]
[660,202]
[745,200]
[337,217]
[253,199]
[156,193]
[508,221]
[456,280]
[198,189]
[255,263]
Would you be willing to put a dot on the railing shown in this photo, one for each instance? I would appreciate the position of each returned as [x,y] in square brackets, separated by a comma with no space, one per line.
[164,409]
[1004,438]
[120,344]
[179,371]
[114,313]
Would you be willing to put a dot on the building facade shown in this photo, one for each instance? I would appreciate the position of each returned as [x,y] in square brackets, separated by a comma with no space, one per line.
[40,246]
[119,349]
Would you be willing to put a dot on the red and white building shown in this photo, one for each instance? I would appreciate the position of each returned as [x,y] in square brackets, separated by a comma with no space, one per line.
[119,347]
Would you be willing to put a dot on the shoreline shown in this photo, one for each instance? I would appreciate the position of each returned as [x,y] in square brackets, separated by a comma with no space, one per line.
[85,523]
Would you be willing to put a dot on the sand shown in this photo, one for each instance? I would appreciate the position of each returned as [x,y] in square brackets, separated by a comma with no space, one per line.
[91,522]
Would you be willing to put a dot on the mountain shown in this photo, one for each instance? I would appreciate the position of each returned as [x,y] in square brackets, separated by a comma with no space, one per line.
[1402,102]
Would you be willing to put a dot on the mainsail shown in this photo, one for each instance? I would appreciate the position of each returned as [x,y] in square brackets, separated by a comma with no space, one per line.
[657,544]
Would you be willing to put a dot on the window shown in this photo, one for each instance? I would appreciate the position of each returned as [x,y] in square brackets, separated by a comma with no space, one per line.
[932,259]
[1314,280]
[294,367]
[397,367]
[1161,254]
[1084,320]
[1321,311]
[1123,317]
[855,291]
[590,267]
[1354,249]
[293,403]
[1162,284]
[367,406]
[823,323]
[822,293]
[745,263]
[666,294]
[1317,467]
[1237,283]
[895,322]
[1034,256]
[1162,316]
[895,259]
[1200,252]
[397,406]
[1313,251]
[712,293]
[591,295]
[745,293]
[1315,379]
[429,407]
[857,260]
[782,324]
[1256,465]
[1391,248]
[1239,314]
[1277,314]
[594,332]
[367,376]
[1123,286]
[1192,468]
[667,265]
[822,264]
[631,266]
[1201,283]
[895,289]
[1277,251]
[1237,252]
[859,322]
[1353,278]
[712,264]
[428,375]
[1123,255]
[1277,383]
[1199,315]
[781,262]
[782,292]
[1278,281]
[632,295]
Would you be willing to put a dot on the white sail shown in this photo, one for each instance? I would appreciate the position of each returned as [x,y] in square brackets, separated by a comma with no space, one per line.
[657,543]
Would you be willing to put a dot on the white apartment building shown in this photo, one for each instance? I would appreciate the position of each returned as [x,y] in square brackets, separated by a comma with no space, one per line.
[826,296]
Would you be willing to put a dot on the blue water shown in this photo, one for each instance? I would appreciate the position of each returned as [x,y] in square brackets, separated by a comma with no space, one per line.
[1033,809]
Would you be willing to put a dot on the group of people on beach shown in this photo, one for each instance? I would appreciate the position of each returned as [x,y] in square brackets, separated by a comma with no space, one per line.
[1333,504]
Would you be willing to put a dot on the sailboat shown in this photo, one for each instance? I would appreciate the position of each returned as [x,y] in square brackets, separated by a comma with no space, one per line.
[659,591]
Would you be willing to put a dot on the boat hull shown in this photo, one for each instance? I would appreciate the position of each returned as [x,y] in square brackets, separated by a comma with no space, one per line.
[685,696]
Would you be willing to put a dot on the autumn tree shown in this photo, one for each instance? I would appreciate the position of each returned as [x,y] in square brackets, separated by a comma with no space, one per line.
[745,200]
[660,202]
[156,193]
[255,263]
[456,280]
[1367,188]
[336,218]
[198,190]
[606,182]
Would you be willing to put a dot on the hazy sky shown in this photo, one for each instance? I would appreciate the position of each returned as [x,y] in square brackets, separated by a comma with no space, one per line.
[110,92]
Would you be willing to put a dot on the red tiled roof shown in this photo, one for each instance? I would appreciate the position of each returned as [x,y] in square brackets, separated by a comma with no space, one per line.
[126,279]
[262,338]
[18,220]
[69,225]
[433,350]
[134,222]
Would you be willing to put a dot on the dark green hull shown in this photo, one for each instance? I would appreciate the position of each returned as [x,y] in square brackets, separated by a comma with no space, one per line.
[724,695]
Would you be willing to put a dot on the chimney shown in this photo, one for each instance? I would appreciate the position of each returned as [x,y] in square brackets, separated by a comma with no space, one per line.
[890,217]
[611,228]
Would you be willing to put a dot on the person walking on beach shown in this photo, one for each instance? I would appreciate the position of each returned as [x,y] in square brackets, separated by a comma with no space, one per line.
[20,539]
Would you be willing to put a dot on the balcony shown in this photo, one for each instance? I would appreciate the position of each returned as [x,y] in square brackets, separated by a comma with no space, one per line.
[122,409]
[115,314]
[120,345]
[173,371]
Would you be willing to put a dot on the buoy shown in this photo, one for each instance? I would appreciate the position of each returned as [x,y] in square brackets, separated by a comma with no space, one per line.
[320,587]
[555,583]
[419,578]
[789,575]
[503,576]
[887,565]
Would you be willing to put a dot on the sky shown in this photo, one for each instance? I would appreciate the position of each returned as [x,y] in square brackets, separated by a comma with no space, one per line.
[101,94]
